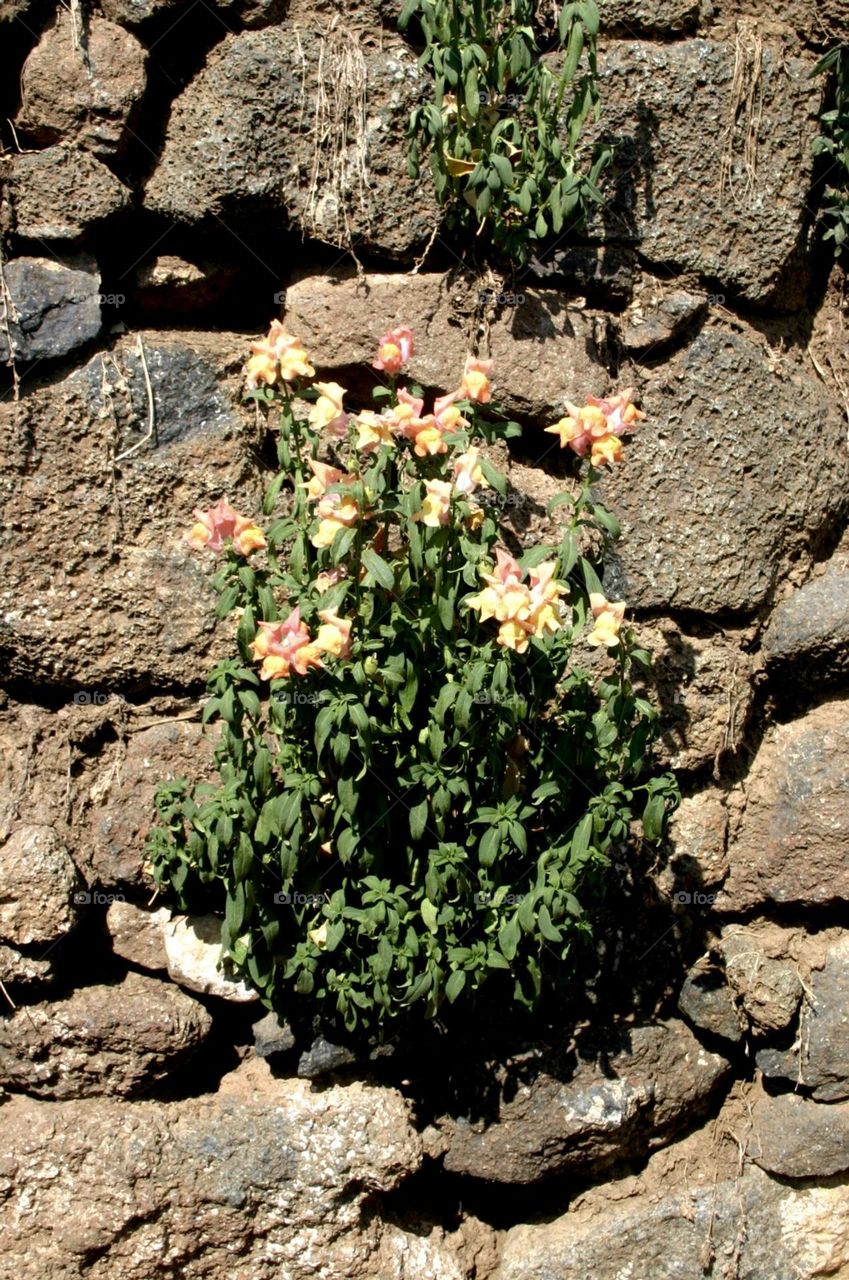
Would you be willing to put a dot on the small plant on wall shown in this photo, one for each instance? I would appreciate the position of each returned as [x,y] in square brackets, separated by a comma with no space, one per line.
[421,784]
[502,132]
[833,142]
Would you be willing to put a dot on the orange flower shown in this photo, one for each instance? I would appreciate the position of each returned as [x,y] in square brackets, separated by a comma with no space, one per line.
[327,412]
[214,526]
[475,382]
[285,647]
[334,635]
[373,430]
[598,426]
[436,507]
[323,475]
[336,511]
[277,356]
[608,617]
[523,610]
[394,350]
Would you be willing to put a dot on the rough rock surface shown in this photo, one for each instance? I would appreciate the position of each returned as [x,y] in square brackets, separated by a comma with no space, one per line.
[655,1085]
[272,1182]
[708,1003]
[193,954]
[71,93]
[680,185]
[763,971]
[690,1212]
[138,936]
[240,140]
[544,349]
[818,1061]
[649,330]
[37,882]
[61,192]
[54,307]
[128,561]
[649,17]
[731,507]
[17,970]
[697,832]
[795,1138]
[810,631]
[114,1040]
[792,842]
[272,1035]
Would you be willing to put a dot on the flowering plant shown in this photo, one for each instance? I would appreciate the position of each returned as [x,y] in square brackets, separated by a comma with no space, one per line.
[421,785]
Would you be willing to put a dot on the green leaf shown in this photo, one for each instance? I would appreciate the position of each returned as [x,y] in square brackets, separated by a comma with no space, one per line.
[546,928]
[378,568]
[509,936]
[455,985]
[418,819]
[654,818]
[489,847]
[429,915]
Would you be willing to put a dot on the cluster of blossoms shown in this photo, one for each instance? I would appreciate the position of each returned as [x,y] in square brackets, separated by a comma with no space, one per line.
[598,426]
[522,609]
[524,605]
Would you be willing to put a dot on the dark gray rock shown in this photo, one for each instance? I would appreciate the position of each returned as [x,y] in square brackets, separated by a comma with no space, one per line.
[272,1035]
[796,1138]
[708,1004]
[819,1059]
[631,1100]
[630,18]
[810,631]
[55,307]
[322,1057]
[660,326]
[731,508]
[762,974]
[602,273]
[117,1040]
[62,192]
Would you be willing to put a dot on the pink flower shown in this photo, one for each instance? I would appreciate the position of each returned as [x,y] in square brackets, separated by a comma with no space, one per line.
[285,647]
[467,471]
[475,384]
[323,475]
[219,523]
[394,350]
[436,506]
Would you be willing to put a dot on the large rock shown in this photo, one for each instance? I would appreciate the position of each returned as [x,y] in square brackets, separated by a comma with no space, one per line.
[809,632]
[731,507]
[124,602]
[102,1040]
[706,1001]
[62,192]
[684,184]
[37,882]
[762,967]
[543,350]
[795,1138]
[653,1083]
[20,971]
[818,1060]
[245,140]
[649,17]
[266,1181]
[138,936]
[792,843]
[82,91]
[54,307]
[691,1212]
[193,956]
[697,838]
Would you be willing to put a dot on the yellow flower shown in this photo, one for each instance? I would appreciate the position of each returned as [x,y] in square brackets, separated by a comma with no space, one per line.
[607,449]
[436,507]
[319,935]
[327,411]
[372,430]
[609,616]
[512,635]
[334,635]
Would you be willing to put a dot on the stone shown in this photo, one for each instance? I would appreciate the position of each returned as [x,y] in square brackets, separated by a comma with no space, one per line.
[125,605]
[649,17]
[136,14]
[692,1211]
[762,968]
[55,307]
[809,633]
[323,1057]
[193,952]
[603,274]
[796,1138]
[819,1059]
[654,1082]
[88,93]
[138,936]
[272,1035]
[650,331]
[731,507]
[707,1003]
[240,145]
[17,970]
[270,1182]
[115,1040]
[791,844]
[62,193]
[543,349]
[170,285]
[680,186]
[37,883]
[697,835]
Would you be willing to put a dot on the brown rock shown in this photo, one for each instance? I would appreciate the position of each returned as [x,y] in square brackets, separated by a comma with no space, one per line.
[731,508]
[37,882]
[796,1138]
[103,1040]
[280,1181]
[650,329]
[85,92]
[543,349]
[792,842]
[138,935]
[697,833]
[808,633]
[125,603]
[648,1089]
[61,192]
[762,969]
[170,285]
[17,970]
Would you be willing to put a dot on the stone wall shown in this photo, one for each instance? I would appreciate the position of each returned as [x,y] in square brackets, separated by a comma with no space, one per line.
[171,181]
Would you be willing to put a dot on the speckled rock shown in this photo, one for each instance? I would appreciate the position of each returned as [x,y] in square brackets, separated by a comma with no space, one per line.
[37,882]
[809,632]
[795,1138]
[138,936]
[61,192]
[731,507]
[87,95]
[193,954]
[102,1040]
[791,844]
[762,969]
[55,307]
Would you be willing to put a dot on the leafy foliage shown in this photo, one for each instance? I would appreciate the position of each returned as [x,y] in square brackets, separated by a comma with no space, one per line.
[432,811]
[834,142]
[503,130]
